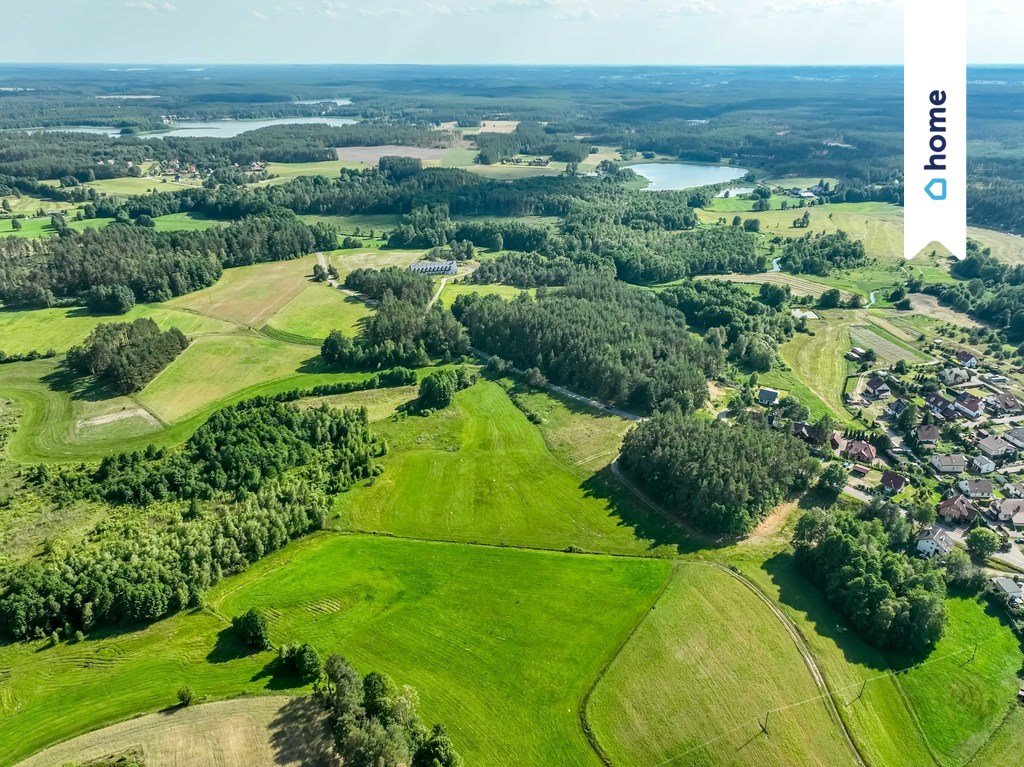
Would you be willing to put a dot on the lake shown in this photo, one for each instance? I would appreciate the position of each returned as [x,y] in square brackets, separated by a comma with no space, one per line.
[213,128]
[683,175]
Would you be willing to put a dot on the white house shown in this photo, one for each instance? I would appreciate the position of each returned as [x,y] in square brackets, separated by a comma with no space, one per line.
[967,360]
[969,405]
[1015,437]
[983,464]
[934,541]
[975,489]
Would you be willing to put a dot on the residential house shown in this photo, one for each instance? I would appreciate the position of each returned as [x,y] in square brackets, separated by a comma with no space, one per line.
[996,448]
[958,509]
[1015,437]
[1009,511]
[878,388]
[928,435]
[1003,403]
[767,397]
[982,464]
[893,483]
[1014,489]
[805,432]
[934,541]
[861,452]
[955,463]
[955,376]
[969,405]
[975,489]
[941,407]
[836,441]
[896,408]
[966,359]
[1010,588]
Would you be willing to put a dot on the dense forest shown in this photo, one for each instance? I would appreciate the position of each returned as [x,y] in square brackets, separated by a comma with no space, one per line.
[722,478]
[600,337]
[126,355]
[893,600]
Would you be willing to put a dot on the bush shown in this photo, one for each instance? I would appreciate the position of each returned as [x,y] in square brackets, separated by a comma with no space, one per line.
[185,696]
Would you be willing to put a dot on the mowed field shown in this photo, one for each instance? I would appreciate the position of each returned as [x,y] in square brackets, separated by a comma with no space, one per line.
[479,471]
[500,643]
[318,310]
[698,678]
[453,291]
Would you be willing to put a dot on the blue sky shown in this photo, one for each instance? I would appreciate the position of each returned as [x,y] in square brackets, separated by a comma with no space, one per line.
[486,31]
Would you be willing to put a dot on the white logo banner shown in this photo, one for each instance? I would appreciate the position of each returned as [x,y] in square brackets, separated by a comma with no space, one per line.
[935,125]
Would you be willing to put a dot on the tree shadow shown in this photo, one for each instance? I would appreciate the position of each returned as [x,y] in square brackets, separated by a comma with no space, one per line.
[797,592]
[229,647]
[81,387]
[300,734]
[279,676]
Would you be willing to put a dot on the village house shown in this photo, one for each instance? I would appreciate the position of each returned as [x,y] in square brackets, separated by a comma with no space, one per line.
[1003,403]
[975,489]
[995,448]
[934,541]
[982,464]
[954,463]
[928,435]
[1015,437]
[966,359]
[878,389]
[861,452]
[893,483]
[955,376]
[1014,489]
[804,431]
[959,510]
[767,397]
[896,408]
[969,405]
[941,407]
[1009,511]
[836,441]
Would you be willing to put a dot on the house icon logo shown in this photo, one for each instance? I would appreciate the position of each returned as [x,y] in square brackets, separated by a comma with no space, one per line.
[936,189]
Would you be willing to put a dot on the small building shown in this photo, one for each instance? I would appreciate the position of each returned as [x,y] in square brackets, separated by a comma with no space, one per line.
[966,359]
[928,435]
[805,432]
[996,448]
[432,268]
[878,388]
[934,541]
[1003,403]
[896,408]
[982,464]
[955,376]
[969,405]
[1009,587]
[1014,489]
[953,463]
[860,452]
[893,483]
[959,510]
[768,397]
[836,441]
[975,489]
[1015,437]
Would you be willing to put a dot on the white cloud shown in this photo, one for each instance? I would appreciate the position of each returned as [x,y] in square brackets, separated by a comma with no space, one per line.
[153,7]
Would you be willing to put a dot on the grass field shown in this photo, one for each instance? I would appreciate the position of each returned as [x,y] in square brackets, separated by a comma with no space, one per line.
[477,630]
[318,310]
[690,686]
[818,360]
[264,731]
[888,347]
[41,227]
[251,295]
[62,328]
[453,291]
[215,367]
[479,471]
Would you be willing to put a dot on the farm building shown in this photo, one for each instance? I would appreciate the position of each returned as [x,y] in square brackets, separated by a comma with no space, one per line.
[435,267]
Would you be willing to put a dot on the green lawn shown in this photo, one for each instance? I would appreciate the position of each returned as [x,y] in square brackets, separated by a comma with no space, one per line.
[479,471]
[318,310]
[697,676]
[818,361]
[61,328]
[501,644]
[453,291]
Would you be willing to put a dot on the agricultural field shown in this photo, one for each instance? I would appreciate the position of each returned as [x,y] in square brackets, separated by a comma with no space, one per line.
[690,687]
[888,347]
[452,291]
[818,360]
[480,472]
[474,629]
[315,312]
